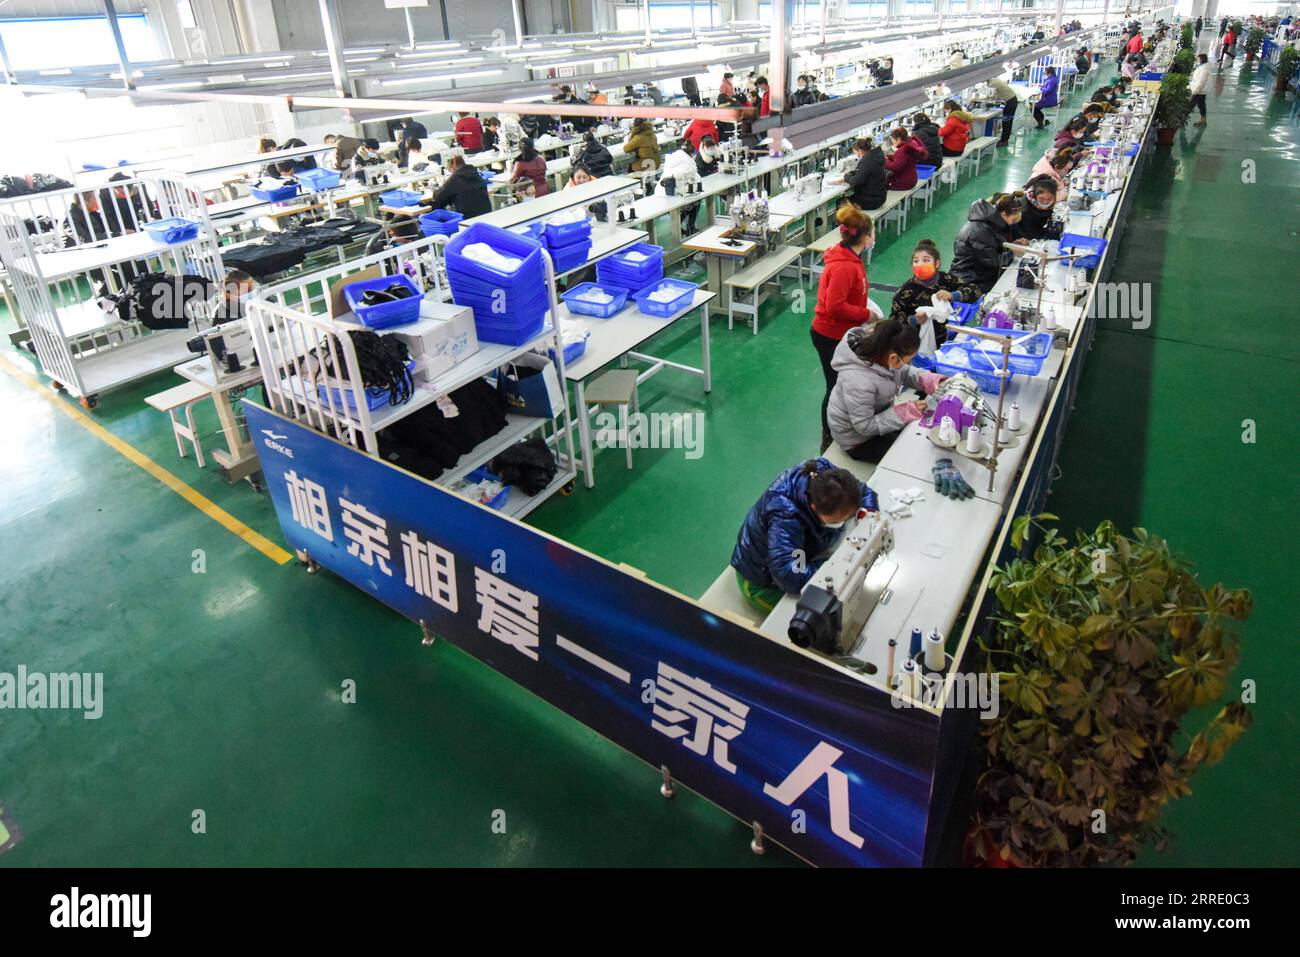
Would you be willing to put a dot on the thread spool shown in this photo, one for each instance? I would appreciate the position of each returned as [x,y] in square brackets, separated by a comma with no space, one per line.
[914,649]
[974,444]
[1013,417]
[893,649]
[1005,435]
[1049,315]
[934,653]
[908,679]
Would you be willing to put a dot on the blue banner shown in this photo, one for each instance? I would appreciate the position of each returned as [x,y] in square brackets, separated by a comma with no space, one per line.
[826,764]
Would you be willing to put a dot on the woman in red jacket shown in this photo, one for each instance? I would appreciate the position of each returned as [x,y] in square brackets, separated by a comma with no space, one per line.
[700,129]
[901,163]
[956,129]
[842,295]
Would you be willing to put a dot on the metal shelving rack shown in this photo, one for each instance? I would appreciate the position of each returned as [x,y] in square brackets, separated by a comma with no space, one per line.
[54,271]
[291,322]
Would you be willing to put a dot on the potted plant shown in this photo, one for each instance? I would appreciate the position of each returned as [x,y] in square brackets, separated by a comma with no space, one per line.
[1184,61]
[1288,61]
[1185,38]
[1253,40]
[1173,107]
[1100,648]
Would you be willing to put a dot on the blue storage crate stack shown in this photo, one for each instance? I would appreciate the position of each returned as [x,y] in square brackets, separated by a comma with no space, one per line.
[277,195]
[583,307]
[172,230]
[509,308]
[385,314]
[568,243]
[376,396]
[319,179]
[1072,241]
[399,197]
[685,293]
[1029,349]
[952,359]
[618,270]
[481,474]
[441,222]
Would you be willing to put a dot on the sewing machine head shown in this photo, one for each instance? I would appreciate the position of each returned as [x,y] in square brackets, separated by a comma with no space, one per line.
[750,216]
[837,601]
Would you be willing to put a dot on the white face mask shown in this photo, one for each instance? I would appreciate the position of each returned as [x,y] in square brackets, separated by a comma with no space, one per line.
[834,524]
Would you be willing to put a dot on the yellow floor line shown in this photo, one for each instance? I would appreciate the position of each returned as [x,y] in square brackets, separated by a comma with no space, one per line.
[134,455]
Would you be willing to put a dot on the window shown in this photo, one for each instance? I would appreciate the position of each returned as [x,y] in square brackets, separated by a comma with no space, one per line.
[861,9]
[811,12]
[916,8]
[677,15]
[50,43]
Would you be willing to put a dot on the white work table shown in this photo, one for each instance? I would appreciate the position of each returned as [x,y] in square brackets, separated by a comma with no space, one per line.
[239,458]
[618,336]
[64,263]
[937,549]
[558,201]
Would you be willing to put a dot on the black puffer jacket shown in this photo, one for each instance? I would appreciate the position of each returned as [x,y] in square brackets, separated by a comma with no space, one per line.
[928,134]
[597,159]
[1035,223]
[978,255]
[869,183]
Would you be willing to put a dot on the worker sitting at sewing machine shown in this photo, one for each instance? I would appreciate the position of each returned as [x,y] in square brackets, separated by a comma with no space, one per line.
[918,300]
[680,171]
[1057,164]
[979,255]
[955,132]
[872,365]
[464,190]
[707,157]
[595,156]
[531,164]
[643,145]
[469,133]
[1036,207]
[927,131]
[901,162]
[792,529]
[869,182]
[698,129]
[367,154]
[1072,134]
[522,189]
[804,95]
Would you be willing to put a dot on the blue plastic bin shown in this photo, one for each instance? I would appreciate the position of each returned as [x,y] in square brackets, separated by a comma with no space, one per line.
[319,179]
[964,312]
[399,198]
[619,271]
[1072,241]
[172,230]
[481,474]
[952,359]
[509,309]
[924,172]
[580,308]
[487,175]
[573,351]
[386,314]
[376,396]
[562,234]
[665,309]
[565,258]
[531,230]
[441,222]
[277,195]
[1030,351]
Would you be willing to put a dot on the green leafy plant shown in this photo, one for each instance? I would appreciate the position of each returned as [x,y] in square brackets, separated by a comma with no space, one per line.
[1236,28]
[1100,648]
[1175,103]
[1184,61]
[1185,39]
[1253,40]
[1288,61]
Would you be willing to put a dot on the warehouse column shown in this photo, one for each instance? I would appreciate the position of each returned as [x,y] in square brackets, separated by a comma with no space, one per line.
[329,17]
[110,12]
[778,80]
[5,65]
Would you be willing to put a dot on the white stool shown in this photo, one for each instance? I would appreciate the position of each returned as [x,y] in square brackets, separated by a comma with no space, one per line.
[182,397]
[615,387]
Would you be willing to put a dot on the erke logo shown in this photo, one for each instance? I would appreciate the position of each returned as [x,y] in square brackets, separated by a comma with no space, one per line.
[271,443]
[103,910]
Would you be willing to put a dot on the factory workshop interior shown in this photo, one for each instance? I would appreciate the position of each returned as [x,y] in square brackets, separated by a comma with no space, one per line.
[736,434]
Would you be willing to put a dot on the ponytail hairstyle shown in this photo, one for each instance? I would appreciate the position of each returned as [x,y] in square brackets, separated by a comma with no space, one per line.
[1042,183]
[882,338]
[920,120]
[1006,203]
[854,224]
[931,248]
[831,491]
[527,152]
[900,134]
[863,145]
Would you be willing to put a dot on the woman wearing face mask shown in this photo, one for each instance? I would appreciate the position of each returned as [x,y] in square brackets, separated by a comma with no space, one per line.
[1036,211]
[790,531]
[522,190]
[531,164]
[978,254]
[928,284]
[706,160]
[901,163]
[874,364]
[869,181]
[1057,164]
[842,295]
[1073,134]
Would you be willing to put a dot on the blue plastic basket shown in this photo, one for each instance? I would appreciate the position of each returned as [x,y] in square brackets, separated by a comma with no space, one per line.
[486,175]
[924,172]
[566,258]
[509,308]
[952,359]
[531,230]
[665,309]
[399,198]
[173,230]
[319,179]
[580,308]
[573,351]
[1027,356]
[617,270]
[964,312]
[376,396]
[563,234]
[481,474]
[1071,241]
[385,314]
[441,222]
[277,195]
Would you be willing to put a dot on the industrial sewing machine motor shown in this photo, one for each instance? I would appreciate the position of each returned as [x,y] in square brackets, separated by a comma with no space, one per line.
[837,601]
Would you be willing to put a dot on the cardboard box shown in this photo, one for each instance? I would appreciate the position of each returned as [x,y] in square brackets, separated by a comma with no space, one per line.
[443,337]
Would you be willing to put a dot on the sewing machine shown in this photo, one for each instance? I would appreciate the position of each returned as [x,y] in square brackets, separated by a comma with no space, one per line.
[379,174]
[837,601]
[734,157]
[750,216]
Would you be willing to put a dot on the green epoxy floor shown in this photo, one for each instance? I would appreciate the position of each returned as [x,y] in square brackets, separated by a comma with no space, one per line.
[222,689]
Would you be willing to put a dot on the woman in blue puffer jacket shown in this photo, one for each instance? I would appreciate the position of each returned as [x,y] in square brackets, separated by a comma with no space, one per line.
[790,530]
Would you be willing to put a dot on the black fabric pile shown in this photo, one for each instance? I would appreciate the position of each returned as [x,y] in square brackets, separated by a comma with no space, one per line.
[290,247]
[158,300]
[428,442]
[530,465]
